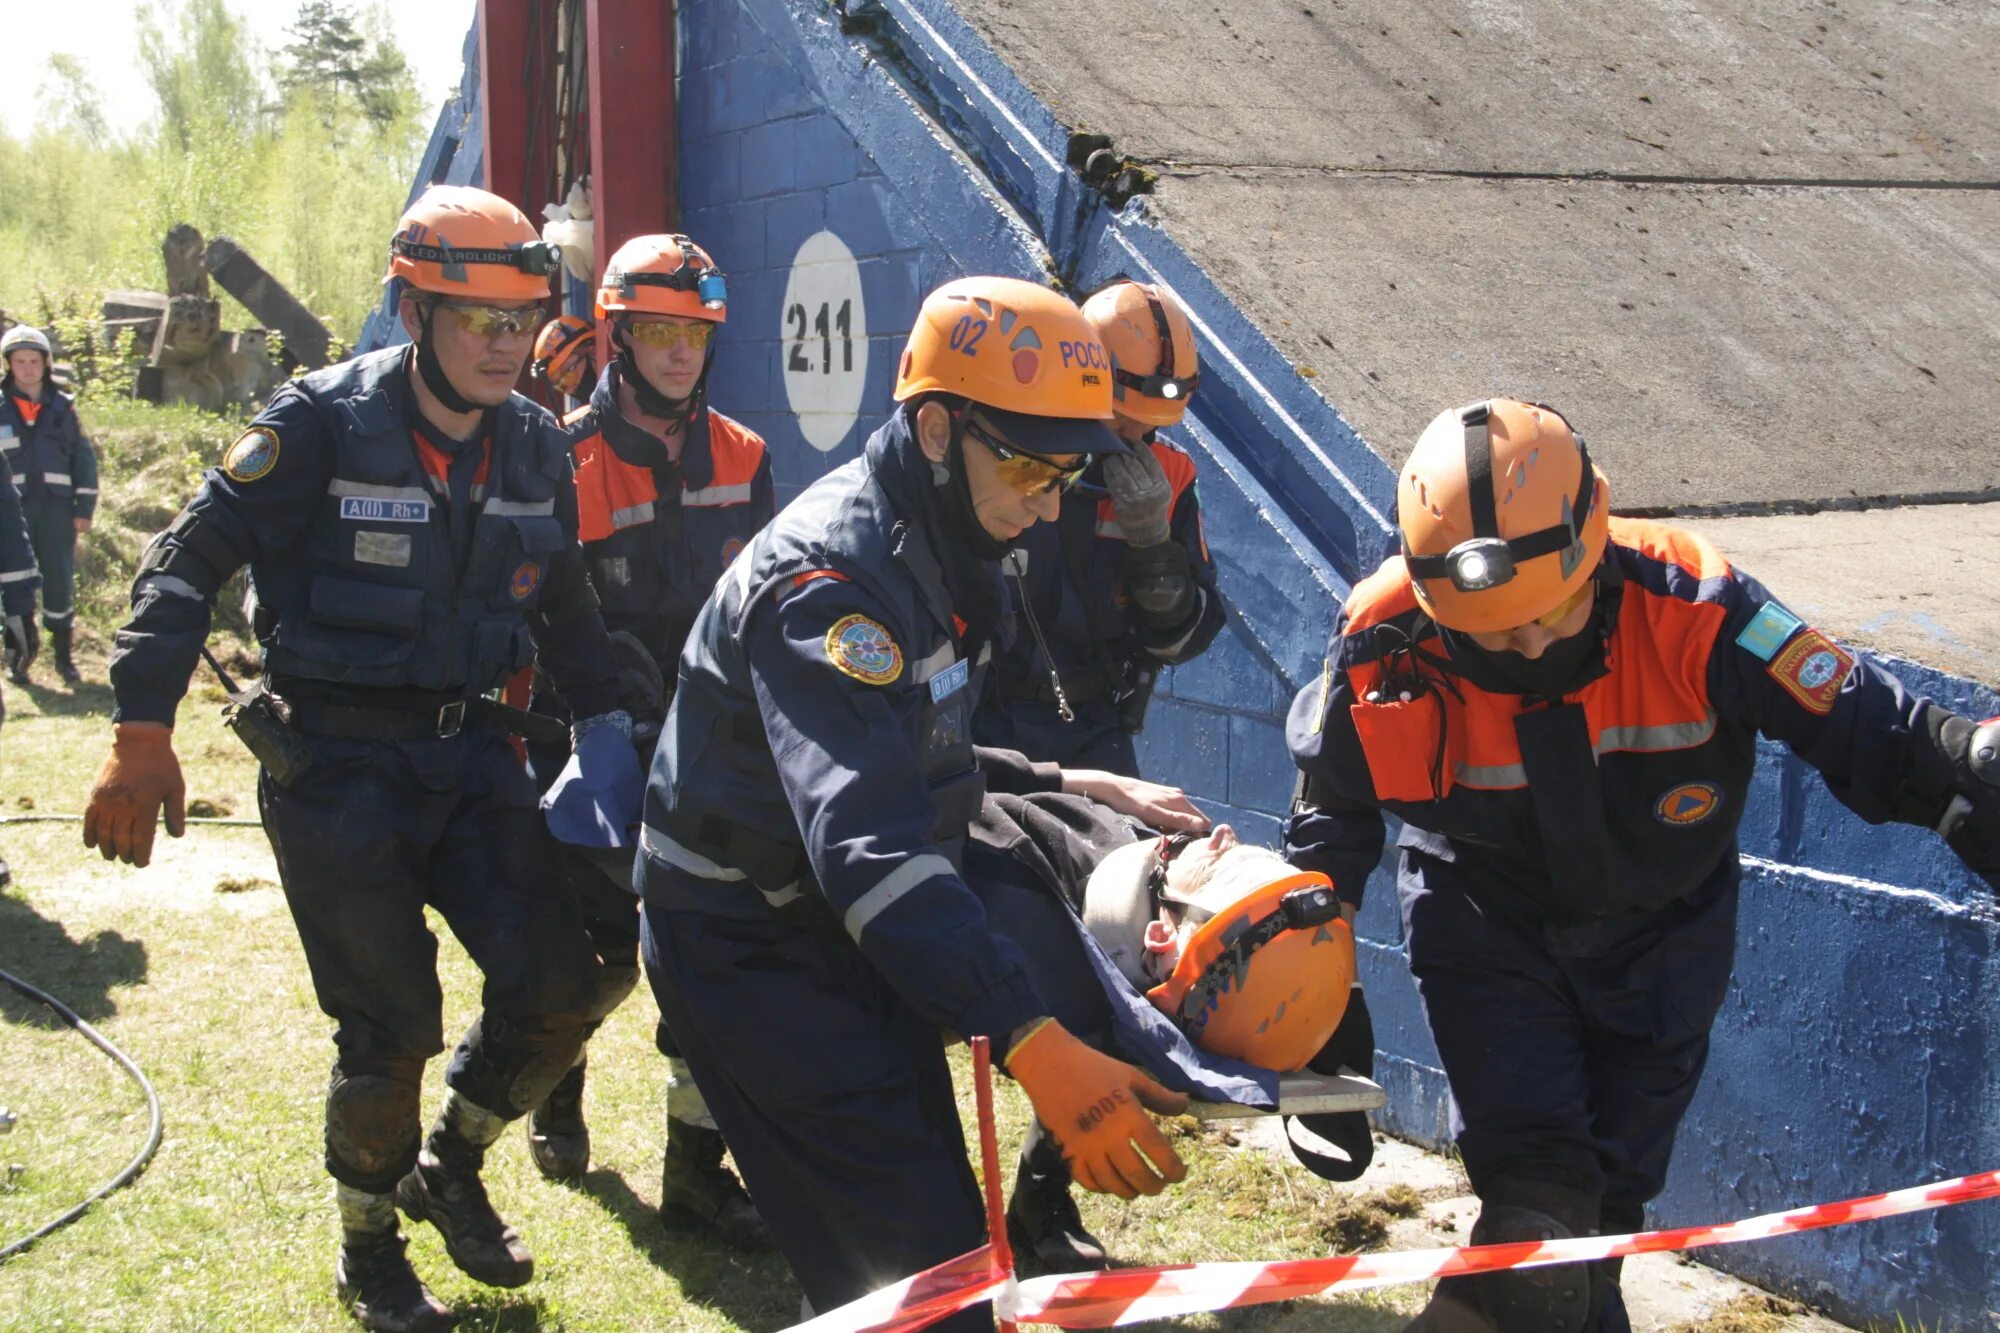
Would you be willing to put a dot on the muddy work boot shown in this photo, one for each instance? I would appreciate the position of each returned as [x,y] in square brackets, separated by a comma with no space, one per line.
[1042,1219]
[445,1190]
[379,1288]
[698,1193]
[558,1139]
[62,641]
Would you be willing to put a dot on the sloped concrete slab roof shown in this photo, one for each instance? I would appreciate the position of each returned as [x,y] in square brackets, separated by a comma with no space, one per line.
[1752,249]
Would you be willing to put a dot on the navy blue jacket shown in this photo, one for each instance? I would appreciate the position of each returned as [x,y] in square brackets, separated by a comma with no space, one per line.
[1074,575]
[51,460]
[18,576]
[1626,795]
[361,568]
[657,534]
[817,759]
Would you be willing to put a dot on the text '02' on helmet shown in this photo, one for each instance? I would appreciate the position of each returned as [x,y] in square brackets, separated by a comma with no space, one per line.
[458,241]
[23,337]
[1267,977]
[564,351]
[667,274]
[1024,354]
[1154,368]
[1501,513]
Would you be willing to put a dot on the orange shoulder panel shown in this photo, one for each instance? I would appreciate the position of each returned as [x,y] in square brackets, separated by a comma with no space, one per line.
[1677,546]
[1381,596]
[737,450]
[1178,464]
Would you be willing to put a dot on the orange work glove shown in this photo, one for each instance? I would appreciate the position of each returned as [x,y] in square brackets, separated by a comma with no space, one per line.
[1096,1107]
[138,777]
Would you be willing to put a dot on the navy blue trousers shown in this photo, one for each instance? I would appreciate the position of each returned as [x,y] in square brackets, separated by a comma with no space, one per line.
[369,837]
[832,1092]
[1573,1050]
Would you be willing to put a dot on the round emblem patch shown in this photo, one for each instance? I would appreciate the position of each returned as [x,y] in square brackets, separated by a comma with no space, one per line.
[860,648]
[253,455]
[731,549]
[1688,804]
[1818,669]
[526,579]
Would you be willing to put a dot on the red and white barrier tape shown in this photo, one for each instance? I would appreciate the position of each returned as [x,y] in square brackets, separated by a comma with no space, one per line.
[1128,1296]
[1133,1295]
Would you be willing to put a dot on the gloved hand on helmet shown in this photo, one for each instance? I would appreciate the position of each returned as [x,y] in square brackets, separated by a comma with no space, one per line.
[24,642]
[598,796]
[1095,1109]
[138,778]
[1971,823]
[1140,494]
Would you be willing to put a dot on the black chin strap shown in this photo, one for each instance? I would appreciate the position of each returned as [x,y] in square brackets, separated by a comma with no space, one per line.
[435,379]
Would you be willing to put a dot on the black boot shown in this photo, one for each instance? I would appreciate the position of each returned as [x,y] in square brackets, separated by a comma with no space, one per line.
[558,1139]
[376,1283]
[698,1193]
[1042,1220]
[17,668]
[6,875]
[445,1190]
[62,640]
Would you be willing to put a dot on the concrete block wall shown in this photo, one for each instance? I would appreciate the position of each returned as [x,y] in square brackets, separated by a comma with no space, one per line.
[1854,1053]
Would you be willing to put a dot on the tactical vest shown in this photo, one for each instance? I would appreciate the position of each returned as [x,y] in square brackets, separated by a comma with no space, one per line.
[375,599]
[1075,576]
[715,788]
[41,454]
[1625,796]
[653,558]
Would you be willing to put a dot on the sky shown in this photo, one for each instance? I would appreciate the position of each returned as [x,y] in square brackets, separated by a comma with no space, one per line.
[103,34]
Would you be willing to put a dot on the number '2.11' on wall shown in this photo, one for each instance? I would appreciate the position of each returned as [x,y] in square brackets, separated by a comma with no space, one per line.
[824,340]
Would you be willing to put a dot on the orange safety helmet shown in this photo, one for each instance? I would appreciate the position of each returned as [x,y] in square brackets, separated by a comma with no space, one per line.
[458,241]
[1151,340]
[1267,977]
[667,274]
[564,352]
[1023,353]
[1501,514]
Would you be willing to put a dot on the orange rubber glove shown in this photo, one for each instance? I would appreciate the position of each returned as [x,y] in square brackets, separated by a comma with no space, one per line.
[138,777]
[1096,1107]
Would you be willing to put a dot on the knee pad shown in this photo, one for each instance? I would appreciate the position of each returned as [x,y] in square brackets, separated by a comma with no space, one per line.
[1559,1299]
[372,1128]
[509,1064]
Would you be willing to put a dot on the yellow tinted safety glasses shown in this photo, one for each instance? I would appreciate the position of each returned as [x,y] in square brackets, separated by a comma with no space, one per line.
[655,333]
[1030,474]
[492,321]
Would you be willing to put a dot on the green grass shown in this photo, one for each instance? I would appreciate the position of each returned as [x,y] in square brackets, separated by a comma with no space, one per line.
[193,968]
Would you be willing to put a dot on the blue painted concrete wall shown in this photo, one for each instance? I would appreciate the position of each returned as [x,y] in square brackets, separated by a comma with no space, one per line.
[1854,1053]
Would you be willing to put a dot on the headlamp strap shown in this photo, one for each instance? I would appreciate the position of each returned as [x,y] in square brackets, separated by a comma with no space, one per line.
[520,257]
[1479,470]
[686,278]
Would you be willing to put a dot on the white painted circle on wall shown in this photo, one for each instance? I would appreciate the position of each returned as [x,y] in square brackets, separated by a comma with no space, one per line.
[823,340]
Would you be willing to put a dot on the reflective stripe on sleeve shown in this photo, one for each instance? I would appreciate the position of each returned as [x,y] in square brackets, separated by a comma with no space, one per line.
[891,887]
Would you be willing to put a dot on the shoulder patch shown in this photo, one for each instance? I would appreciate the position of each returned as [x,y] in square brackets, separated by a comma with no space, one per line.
[253,455]
[1768,630]
[861,648]
[1812,670]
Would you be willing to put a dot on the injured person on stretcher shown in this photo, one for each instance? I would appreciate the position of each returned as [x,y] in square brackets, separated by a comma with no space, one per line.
[1212,964]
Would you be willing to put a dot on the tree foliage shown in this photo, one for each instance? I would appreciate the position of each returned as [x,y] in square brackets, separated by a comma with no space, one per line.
[303,157]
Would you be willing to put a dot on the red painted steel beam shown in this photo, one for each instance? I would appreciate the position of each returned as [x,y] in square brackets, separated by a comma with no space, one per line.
[632,144]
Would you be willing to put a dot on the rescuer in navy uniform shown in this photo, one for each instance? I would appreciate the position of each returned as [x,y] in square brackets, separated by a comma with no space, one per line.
[410,528]
[668,492]
[1563,707]
[18,581]
[55,470]
[1121,583]
[807,931]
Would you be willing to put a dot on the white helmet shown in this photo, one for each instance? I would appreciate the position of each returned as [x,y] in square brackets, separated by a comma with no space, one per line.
[23,336]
